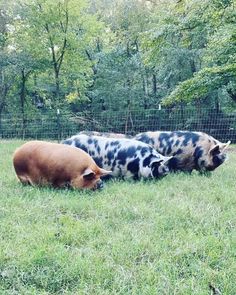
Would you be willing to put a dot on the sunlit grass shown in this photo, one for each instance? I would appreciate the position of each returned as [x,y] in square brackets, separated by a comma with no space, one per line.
[173,236]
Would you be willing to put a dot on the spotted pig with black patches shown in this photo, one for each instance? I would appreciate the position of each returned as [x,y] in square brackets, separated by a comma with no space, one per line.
[106,134]
[190,150]
[126,158]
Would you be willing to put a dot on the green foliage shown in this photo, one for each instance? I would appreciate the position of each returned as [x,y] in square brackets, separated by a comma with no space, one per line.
[202,83]
[104,55]
[57,62]
[218,58]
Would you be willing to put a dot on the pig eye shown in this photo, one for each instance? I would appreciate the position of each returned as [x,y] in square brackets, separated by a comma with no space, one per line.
[155,168]
[217,160]
[156,164]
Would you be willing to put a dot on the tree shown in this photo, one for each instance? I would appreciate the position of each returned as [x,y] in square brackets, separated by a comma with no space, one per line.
[6,58]
[64,30]
[218,61]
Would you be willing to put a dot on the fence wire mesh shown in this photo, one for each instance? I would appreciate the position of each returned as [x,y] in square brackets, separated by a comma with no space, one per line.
[53,125]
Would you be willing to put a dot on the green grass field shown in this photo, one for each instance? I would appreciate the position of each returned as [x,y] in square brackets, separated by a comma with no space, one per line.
[173,236]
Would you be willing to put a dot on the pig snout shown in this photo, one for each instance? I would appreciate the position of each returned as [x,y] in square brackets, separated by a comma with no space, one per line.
[99,184]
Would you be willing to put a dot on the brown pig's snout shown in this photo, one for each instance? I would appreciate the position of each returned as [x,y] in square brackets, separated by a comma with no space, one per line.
[99,184]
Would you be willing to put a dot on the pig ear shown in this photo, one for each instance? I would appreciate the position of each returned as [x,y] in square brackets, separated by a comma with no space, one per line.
[104,172]
[224,146]
[215,150]
[167,159]
[159,160]
[155,160]
[88,174]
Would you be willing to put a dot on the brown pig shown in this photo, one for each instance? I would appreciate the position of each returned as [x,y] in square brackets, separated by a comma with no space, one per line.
[58,165]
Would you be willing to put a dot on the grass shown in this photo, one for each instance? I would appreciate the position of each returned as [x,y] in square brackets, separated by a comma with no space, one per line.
[173,236]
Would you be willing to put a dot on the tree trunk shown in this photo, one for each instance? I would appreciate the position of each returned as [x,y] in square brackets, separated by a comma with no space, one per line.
[22,101]
[154,85]
[1,111]
[4,88]
[1,108]
[57,92]
[217,104]
[24,77]
[182,114]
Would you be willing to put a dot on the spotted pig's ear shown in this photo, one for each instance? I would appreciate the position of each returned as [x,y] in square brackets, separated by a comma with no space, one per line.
[155,160]
[224,146]
[159,160]
[167,159]
[215,150]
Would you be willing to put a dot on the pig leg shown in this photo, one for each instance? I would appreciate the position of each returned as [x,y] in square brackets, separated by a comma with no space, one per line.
[24,179]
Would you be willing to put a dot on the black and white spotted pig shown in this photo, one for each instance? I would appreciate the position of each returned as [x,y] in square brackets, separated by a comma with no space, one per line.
[126,158]
[190,150]
[106,134]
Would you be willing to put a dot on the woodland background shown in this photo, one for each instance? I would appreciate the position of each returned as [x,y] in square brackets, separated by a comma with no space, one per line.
[121,65]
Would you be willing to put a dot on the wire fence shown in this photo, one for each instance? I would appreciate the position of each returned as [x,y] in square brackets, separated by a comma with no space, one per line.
[59,125]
